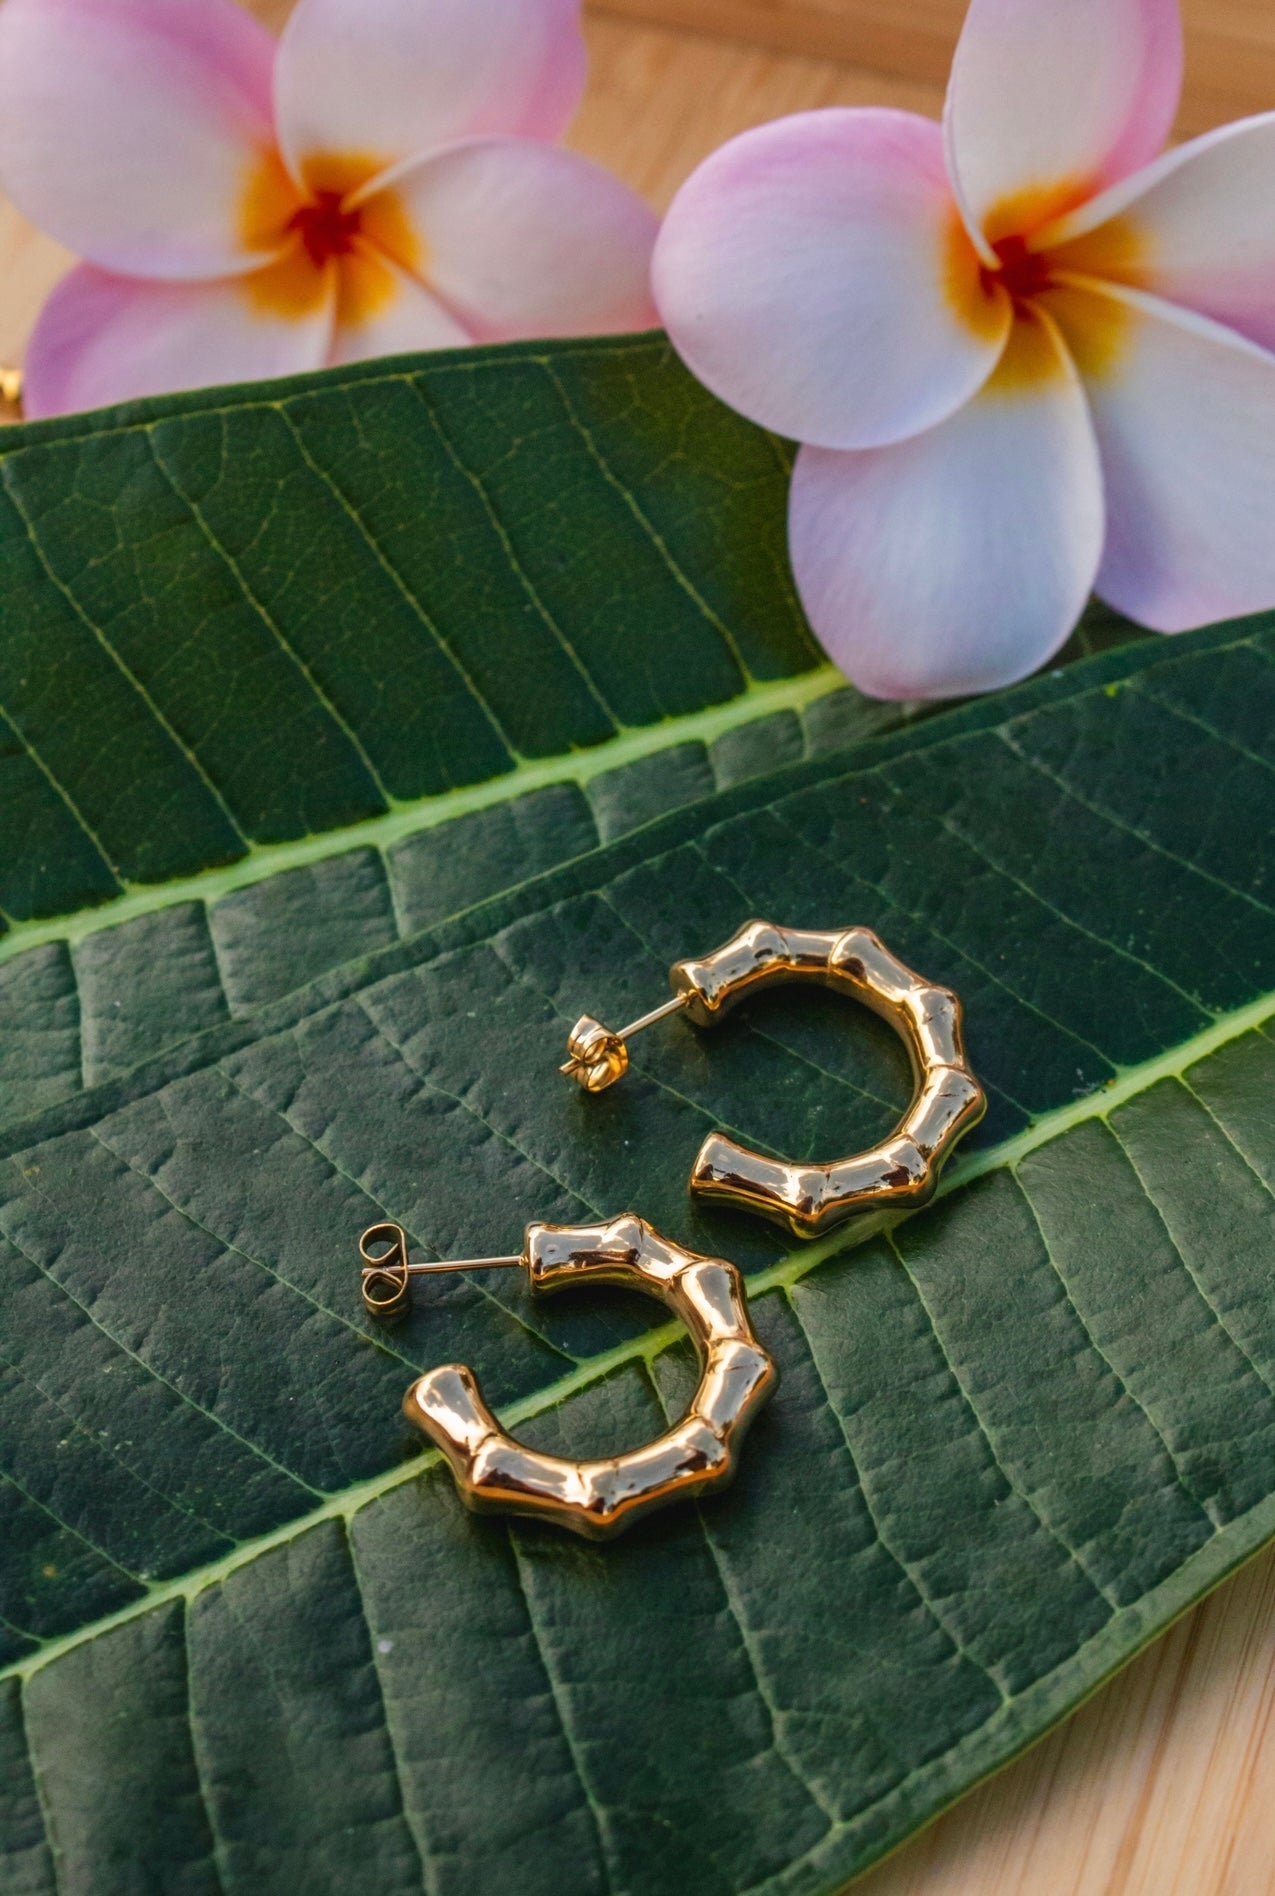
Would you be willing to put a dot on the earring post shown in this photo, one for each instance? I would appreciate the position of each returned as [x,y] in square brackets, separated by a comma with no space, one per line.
[674,1006]
[437,1270]
[598,1057]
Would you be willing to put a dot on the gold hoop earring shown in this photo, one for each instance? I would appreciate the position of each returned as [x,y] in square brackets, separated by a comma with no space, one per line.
[902,1172]
[598,1499]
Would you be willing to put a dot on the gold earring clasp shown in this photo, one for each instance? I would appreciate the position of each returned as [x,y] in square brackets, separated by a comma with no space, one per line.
[386,1275]
[901,1173]
[598,1058]
[496,1474]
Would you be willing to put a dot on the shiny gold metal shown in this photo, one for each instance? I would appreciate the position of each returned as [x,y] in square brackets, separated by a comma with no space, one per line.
[598,1499]
[10,394]
[387,1274]
[902,1172]
[598,1057]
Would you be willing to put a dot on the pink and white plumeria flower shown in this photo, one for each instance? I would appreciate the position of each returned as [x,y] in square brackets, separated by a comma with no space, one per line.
[381,179]
[1025,355]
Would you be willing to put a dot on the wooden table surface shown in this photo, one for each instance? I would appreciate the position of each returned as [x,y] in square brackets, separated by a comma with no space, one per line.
[1164,1785]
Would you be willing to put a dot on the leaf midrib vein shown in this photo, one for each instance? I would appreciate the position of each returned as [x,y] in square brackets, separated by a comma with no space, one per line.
[406,820]
[631,745]
[1130,1083]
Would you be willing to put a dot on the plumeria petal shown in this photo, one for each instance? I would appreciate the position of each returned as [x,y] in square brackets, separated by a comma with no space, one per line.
[400,79]
[1185,416]
[1198,229]
[103,339]
[815,275]
[1051,100]
[958,561]
[129,128]
[382,311]
[522,239]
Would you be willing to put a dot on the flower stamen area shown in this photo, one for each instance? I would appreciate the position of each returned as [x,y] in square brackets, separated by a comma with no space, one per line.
[326,227]
[1021,271]
[326,238]
[1063,283]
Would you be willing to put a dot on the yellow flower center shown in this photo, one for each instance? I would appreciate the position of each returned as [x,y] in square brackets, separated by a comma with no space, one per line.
[325,238]
[1063,281]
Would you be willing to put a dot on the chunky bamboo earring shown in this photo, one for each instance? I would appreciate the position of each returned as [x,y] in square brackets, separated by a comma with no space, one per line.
[496,1474]
[903,1172]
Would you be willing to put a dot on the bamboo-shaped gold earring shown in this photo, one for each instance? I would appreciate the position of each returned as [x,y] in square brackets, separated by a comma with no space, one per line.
[496,1474]
[904,1170]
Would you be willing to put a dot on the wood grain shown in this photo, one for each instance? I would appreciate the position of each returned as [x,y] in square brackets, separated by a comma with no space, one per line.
[1232,42]
[1165,1784]
[658,102]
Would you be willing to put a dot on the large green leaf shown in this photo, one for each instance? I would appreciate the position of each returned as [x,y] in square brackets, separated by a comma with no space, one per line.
[298,630]
[250,1638]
